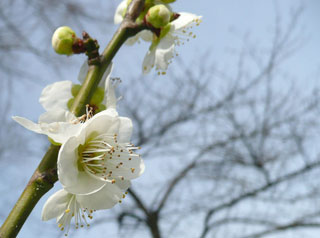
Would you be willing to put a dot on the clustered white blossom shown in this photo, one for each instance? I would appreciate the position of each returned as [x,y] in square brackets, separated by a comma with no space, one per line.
[164,38]
[97,161]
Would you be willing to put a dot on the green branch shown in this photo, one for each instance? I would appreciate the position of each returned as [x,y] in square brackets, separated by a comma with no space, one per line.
[45,175]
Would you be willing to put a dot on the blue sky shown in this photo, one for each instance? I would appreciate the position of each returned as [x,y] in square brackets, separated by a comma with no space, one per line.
[224,26]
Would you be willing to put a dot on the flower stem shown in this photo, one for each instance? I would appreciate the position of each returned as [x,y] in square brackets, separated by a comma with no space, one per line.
[41,182]
[45,175]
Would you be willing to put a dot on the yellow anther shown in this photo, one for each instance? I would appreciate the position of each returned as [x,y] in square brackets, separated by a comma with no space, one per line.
[67,210]
[113,181]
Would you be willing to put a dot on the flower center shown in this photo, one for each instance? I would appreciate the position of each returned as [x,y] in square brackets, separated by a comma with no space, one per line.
[104,158]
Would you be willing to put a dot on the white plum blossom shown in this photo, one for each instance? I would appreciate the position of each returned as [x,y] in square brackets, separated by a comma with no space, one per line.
[58,123]
[58,95]
[64,206]
[95,163]
[100,153]
[162,49]
[145,35]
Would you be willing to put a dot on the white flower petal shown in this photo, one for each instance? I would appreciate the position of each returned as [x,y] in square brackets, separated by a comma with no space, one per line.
[106,76]
[123,184]
[118,17]
[125,130]
[105,198]
[110,112]
[28,124]
[83,71]
[56,95]
[142,167]
[58,115]
[59,132]
[148,61]
[67,162]
[105,122]
[145,35]
[85,184]
[183,20]
[164,52]
[130,169]
[132,40]
[55,205]
[110,99]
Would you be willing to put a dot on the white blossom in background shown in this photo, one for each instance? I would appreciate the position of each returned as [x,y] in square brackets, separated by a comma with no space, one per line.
[162,49]
[145,35]
[64,206]
[100,153]
[163,38]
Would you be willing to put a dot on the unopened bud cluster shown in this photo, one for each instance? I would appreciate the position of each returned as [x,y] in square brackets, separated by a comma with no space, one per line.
[63,39]
[158,16]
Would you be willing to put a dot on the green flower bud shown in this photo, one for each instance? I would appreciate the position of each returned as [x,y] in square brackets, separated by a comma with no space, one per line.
[158,16]
[70,103]
[98,96]
[75,89]
[63,39]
